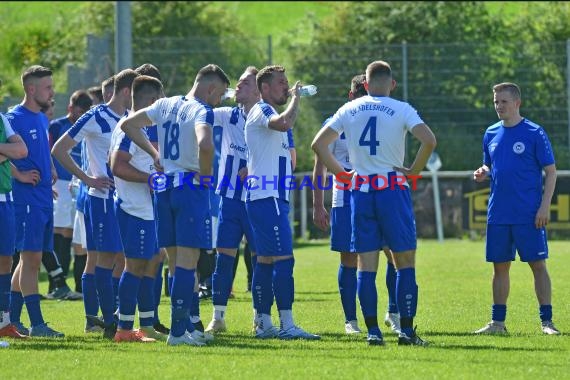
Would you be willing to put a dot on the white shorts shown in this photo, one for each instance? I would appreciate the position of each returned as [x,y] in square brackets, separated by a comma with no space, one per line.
[63,206]
[79,236]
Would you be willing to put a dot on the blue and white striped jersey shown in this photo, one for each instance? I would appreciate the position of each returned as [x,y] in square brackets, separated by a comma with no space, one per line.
[269,159]
[339,149]
[96,127]
[176,118]
[233,152]
[375,128]
[136,199]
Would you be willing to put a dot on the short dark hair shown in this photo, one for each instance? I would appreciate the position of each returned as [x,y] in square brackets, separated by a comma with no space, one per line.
[148,69]
[265,75]
[96,92]
[81,99]
[210,71]
[124,79]
[378,70]
[144,84]
[512,88]
[108,83]
[357,85]
[36,72]
[252,70]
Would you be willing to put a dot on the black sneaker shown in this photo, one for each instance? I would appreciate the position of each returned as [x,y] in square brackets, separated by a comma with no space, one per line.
[161,328]
[199,326]
[414,340]
[375,340]
[204,293]
[110,331]
[93,320]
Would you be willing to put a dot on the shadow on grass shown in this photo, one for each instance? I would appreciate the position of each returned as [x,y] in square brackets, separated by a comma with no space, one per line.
[297,299]
[46,344]
[489,347]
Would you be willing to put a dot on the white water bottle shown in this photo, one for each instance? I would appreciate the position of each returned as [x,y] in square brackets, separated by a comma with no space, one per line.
[229,94]
[308,90]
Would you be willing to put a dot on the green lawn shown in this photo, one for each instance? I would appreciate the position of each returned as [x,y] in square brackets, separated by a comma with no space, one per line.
[455,297]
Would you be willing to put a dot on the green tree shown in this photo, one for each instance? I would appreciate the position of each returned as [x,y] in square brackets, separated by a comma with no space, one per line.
[181,37]
[455,52]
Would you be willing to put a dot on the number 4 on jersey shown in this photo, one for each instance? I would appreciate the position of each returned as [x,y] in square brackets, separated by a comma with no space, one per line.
[368,136]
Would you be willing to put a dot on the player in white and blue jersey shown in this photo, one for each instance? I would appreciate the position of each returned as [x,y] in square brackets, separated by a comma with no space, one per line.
[183,207]
[267,203]
[233,222]
[33,202]
[64,205]
[375,127]
[103,240]
[131,167]
[341,229]
[515,153]
[12,147]
[152,133]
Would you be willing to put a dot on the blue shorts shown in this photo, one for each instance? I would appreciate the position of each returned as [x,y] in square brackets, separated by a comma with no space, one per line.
[504,239]
[269,218]
[34,228]
[7,228]
[183,216]
[383,217]
[138,235]
[341,229]
[233,223]
[101,226]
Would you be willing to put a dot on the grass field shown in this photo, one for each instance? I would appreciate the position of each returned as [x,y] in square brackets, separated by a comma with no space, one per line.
[454,300]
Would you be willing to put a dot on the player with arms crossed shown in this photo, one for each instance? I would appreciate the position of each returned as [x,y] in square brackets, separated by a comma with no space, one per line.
[375,127]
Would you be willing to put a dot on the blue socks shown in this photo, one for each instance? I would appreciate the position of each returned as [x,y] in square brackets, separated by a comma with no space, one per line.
[128,289]
[391,286]
[347,290]
[261,288]
[90,300]
[545,312]
[157,291]
[35,313]
[407,298]
[499,313]
[222,279]
[116,281]
[368,295]
[104,283]
[16,305]
[283,283]
[5,284]
[181,297]
[146,302]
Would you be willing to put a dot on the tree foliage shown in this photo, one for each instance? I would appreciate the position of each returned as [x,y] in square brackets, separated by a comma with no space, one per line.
[454,53]
[181,37]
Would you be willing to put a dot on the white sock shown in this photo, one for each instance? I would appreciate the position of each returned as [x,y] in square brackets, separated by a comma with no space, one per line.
[219,312]
[4,319]
[194,318]
[264,321]
[286,317]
